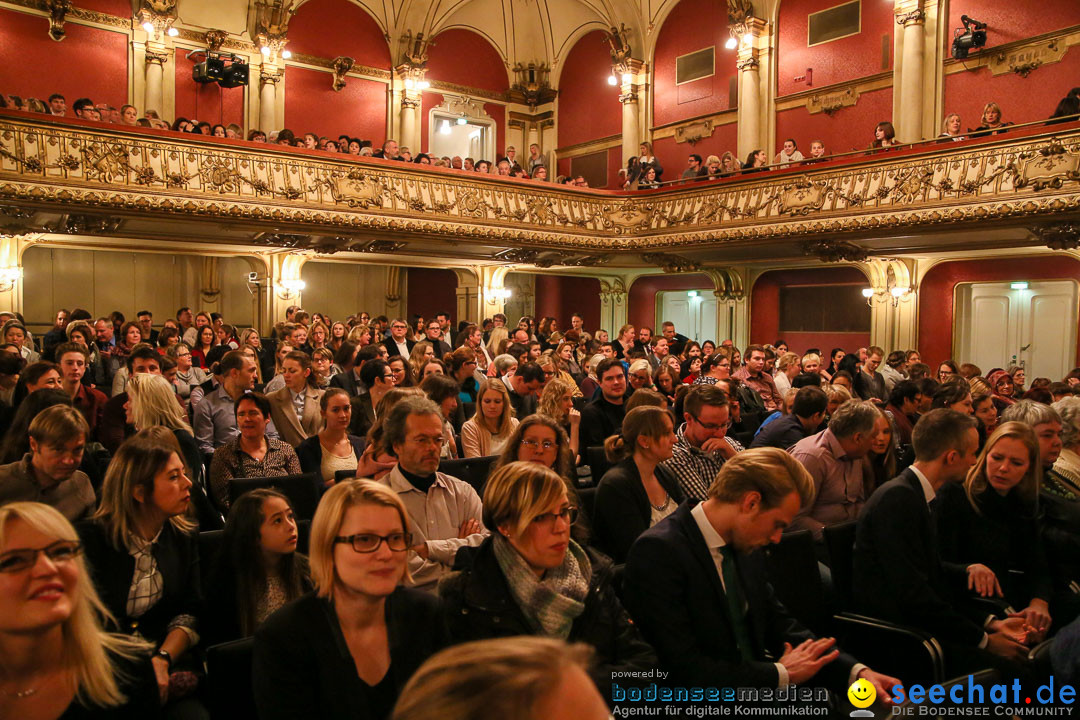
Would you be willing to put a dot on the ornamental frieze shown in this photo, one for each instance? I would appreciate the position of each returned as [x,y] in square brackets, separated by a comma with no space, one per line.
[74,168]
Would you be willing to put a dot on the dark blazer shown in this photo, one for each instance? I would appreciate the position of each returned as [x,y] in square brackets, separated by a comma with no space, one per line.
[622,510]
[303,668]
[899,575]
[346,381]
[392,348]
[674,593]
[478,605]
[1060,530]
[309,452]
[112,568]
[782,433]
[1005,536]
[363,415]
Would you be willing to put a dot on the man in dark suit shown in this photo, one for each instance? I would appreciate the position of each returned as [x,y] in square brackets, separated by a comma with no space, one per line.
[398,343]
[698,591]
[434,333]
[807,413]
[351,381]
[899,575]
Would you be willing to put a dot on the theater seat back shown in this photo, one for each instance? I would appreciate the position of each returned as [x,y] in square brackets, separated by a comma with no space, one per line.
[228,680]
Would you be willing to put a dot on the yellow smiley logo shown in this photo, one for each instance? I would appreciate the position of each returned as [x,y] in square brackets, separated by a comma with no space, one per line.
[861,694]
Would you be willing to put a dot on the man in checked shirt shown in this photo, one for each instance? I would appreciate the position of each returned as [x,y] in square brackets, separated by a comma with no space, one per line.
[702,444]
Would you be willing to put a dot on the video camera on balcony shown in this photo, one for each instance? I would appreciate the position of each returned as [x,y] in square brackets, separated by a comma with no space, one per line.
[225,69]
[972,35]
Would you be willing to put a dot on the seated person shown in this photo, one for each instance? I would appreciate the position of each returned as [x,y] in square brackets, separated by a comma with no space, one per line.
[523,384]
[898,572]
[1060,498]
[807,414]
[444,512]
[698,590]
[252,453]
[295,407]
[444,391]
[48,603]
[602,417]
[488,430]
[49,472]
[345,651]
[702,445]
[638,491]
[257,569]
[835,459]
[988,524]
[333,448]
[72,358]
[541,440]
[527,678]
[531,578]
[378,378]
[214,418]
[144,556]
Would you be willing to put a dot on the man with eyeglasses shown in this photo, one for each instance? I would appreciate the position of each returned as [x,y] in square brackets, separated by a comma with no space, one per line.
[444,512]
[49,473]
[399,343]
[702,445]
[434,335]
[807,413]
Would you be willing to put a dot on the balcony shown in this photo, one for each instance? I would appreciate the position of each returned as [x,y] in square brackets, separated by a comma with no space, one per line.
[69,177]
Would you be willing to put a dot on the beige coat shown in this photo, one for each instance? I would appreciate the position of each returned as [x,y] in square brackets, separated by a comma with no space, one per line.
[283,414]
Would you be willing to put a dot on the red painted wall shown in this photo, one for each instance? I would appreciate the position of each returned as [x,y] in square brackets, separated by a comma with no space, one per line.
[208,102]
[693,25]
[1008,20]
[641,299]
[765,308]
[936,309]
[589,108]
[88,63]
[1021,99]
[329,28]
[466,58]
[850,128]
[673,155]
[311,105]
[430,291]
[560,297]
[833,62]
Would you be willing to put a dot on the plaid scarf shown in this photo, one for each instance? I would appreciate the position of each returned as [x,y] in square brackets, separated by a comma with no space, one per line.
[551,605]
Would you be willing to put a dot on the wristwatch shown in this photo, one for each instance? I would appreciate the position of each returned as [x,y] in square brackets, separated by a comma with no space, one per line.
[164,654]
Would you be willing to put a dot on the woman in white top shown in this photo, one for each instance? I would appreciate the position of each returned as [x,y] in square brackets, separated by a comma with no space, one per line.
[787,367]
[486,432]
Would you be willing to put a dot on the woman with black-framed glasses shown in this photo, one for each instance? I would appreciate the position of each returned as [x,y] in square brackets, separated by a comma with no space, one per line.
[346,650]
[531,578]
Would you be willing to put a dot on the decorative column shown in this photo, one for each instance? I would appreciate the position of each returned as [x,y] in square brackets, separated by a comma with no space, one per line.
[11,272]
[752,47]
[410,125]
[394,285]
[269,77]
[155,72]
[893,303]
[629,73]
[613,310]
[912,18]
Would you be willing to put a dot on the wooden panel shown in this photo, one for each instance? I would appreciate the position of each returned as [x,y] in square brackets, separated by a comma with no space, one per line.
[823,308]
[592,167]
[341,289]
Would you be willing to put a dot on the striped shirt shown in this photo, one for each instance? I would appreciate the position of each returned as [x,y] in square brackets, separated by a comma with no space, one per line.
[694,468]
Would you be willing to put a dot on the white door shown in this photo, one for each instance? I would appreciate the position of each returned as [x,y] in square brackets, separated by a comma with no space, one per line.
[998,325]
[693,312]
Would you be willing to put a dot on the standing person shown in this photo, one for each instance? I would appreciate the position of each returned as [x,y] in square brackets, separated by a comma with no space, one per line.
[345,651]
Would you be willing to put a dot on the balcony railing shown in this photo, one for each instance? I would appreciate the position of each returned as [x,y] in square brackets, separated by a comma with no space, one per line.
[75,166]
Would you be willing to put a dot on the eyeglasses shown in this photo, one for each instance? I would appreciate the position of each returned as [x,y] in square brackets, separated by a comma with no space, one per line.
[711,426]
[568,513]
[61,551]
[369,542]
[533,444]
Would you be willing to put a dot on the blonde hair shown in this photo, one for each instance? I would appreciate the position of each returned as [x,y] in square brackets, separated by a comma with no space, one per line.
[153,402]
[519,491]
[771,472]
[643,421]
[976,483]
[355,334]
[811,357]
[489,679]
[86,647]
[552,395]
[505,423]
[839,393]
[498,335]
[786,360]
[416,357]
[327,523]
[945,123]
[136,464]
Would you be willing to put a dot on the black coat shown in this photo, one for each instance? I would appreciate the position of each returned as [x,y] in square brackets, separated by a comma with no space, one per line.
[392,348]
[599,421]
[622,510]
[898,572]
[1061,531]
[363,415]
[478,604]
[674,593]
[113,568]
[781,433]
[303,668]
[1003,537]
[347,382]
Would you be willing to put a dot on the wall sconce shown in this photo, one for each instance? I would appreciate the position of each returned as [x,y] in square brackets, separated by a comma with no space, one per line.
[612,80]
[290,288]
[493,294]
[893,294]
[8,277]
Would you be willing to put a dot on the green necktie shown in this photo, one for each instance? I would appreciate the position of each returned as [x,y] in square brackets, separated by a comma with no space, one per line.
[736,602]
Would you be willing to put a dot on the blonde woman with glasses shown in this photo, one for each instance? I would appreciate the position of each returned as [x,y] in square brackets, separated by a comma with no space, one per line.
[346,650]
[55,658]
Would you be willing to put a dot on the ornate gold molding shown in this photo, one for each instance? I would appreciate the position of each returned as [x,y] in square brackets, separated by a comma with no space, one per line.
[914,17]
[694,132]
[342,65]
[1025,59]
[830,102]
[107,170]
[58,10]
[155,57]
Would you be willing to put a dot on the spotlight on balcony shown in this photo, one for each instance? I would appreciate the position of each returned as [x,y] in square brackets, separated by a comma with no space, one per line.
[225,69]
[970,37]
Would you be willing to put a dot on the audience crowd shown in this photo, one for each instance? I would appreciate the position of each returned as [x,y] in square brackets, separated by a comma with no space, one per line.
[370,506]
[642,171]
